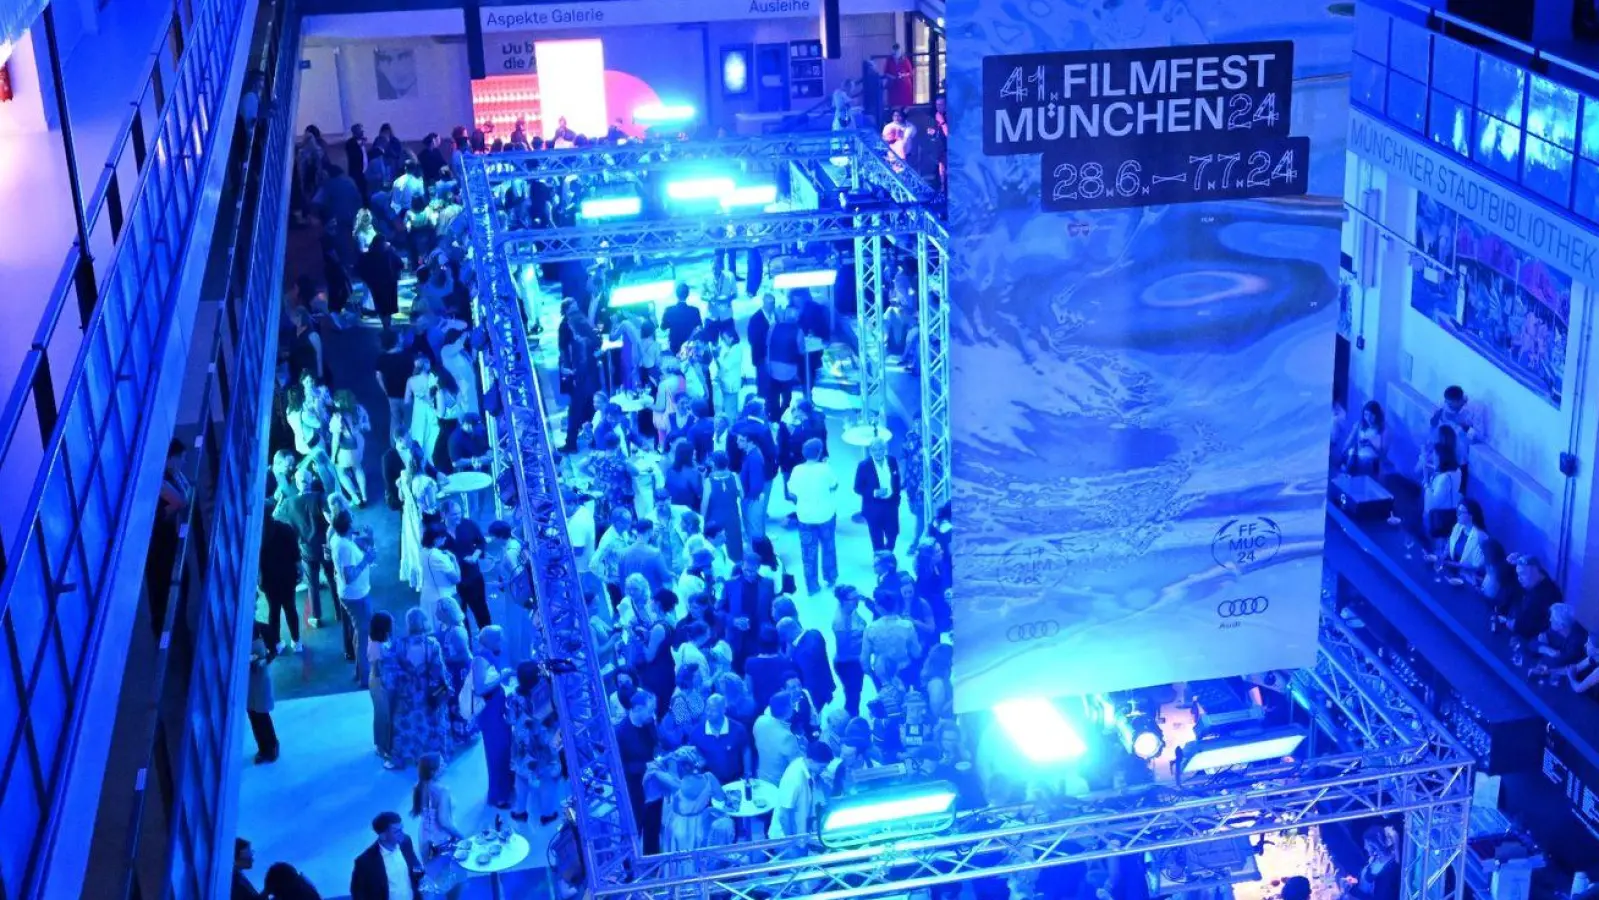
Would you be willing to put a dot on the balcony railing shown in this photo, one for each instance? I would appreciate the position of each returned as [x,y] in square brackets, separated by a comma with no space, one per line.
[1526,115]
[83,400]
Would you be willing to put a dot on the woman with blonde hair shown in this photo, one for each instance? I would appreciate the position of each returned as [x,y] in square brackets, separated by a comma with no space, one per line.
[450,629]
[348,429]
[418,688]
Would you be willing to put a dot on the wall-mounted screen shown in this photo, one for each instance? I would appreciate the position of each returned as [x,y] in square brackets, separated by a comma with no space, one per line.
[1547,170]
[1552,113]
[1505,304]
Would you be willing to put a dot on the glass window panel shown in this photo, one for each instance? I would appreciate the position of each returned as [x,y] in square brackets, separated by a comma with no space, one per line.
[1498,146]
[1407,102]
[1368,85]
[57,512]
[1410,49]
[1371,32]
[10,699]
[19,809]
[1552,113]
[1590,128]
[1449,124]
[47,708]
[1585,199]
[1501,88]
[78,442]
[1454,68]
[100,372]
[27,606]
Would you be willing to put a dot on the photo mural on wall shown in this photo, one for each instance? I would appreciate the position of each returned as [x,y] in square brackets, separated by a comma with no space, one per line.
[1510,307]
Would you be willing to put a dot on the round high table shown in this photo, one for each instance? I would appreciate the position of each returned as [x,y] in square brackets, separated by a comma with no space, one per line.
[762,800]
[513,850]
[466,482]
[864,433]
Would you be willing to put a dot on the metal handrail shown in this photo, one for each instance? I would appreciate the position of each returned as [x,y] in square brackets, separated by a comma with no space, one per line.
[36,380]
[1579,77]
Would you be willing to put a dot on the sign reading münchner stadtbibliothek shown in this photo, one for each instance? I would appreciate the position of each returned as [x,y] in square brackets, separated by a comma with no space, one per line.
[1142,336]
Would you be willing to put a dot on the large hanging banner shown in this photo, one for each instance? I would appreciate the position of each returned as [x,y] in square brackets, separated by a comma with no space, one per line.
[1145,205]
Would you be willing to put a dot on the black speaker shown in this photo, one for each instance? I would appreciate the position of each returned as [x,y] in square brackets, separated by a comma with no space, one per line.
[832,39]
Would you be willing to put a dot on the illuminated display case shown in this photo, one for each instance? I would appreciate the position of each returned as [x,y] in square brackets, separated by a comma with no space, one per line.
[498,102]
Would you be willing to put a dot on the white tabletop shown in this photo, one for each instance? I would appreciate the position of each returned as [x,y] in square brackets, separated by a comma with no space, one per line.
[466,482]
[513,850]
[863,435]
[630,403]
[763,798]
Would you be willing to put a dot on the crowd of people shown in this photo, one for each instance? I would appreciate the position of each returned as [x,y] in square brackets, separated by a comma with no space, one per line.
[1456,540]
[695,606]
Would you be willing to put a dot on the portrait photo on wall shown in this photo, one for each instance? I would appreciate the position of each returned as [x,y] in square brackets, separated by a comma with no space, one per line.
[1509,306]
[396,72]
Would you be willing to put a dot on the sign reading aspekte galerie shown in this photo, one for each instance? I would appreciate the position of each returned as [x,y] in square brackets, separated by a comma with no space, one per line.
[624,13]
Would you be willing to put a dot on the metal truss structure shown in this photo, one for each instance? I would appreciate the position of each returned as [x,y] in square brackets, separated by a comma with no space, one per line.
[932,291]
[1393,758]
[529,490]
[900,214]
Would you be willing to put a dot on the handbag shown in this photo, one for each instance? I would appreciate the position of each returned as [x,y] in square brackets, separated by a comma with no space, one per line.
[468,702]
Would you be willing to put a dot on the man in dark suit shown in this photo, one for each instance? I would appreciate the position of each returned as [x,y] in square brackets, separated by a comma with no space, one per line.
[389,869]
[807,650]
[877,483]
[747,601]
[355,155]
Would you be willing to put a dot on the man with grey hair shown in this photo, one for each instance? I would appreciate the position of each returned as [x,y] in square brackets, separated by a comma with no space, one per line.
[878,484]
[724,743]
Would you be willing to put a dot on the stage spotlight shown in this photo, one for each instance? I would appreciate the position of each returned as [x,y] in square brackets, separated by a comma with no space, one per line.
[1141,735]
[639,294]
[1040,731]
[609,207]
[750,195]
[699,188]
[809,278]
[662,113]
[1216,754]
[896,813]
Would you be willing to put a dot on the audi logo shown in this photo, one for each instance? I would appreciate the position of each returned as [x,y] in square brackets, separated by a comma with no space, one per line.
[1244,606]
[1032,631]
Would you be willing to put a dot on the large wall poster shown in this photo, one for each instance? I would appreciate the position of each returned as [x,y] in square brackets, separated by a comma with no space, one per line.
[1145,210]
[1509,306]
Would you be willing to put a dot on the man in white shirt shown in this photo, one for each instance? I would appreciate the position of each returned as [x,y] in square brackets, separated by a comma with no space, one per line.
[798,793]
[813,489]
[580,529]
[352,575]
[604,562]
[775,743]
[1463,421]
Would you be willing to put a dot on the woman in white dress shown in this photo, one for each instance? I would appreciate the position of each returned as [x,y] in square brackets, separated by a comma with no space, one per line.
[419,496]
[420,393]
[457,357]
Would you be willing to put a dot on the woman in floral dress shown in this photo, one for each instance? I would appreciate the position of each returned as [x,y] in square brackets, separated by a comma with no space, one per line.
[419,693]
[457,649]
[534,758]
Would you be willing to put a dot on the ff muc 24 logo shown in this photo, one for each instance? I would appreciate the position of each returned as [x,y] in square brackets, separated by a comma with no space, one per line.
[1232,612]
[1246,543]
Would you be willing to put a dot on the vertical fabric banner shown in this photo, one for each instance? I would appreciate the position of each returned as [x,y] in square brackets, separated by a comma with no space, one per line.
[1145,205]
